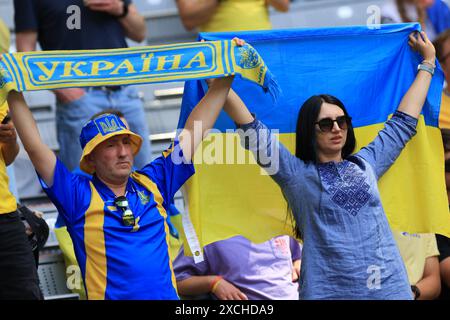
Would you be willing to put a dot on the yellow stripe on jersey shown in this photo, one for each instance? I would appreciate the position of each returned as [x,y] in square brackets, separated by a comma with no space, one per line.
[94,239]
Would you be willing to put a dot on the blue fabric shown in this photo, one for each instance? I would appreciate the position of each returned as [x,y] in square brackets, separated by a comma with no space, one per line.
[73,116]
[50,19]
[138,265]
[377,64]
[439,15]
[337,206]
[171,210]
[169,172]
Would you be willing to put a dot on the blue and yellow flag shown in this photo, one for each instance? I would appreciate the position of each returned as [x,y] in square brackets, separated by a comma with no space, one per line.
[369,70]
[28,71]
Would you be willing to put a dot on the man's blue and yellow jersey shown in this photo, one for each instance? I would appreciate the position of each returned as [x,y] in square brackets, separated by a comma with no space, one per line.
[118,261]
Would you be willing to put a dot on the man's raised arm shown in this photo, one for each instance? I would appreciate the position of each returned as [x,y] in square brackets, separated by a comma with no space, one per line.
[43,159]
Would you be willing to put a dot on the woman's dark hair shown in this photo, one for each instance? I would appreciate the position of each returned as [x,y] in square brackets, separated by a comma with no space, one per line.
[305,136]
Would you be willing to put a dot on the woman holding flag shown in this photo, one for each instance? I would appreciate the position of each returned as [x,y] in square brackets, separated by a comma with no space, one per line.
[349,251]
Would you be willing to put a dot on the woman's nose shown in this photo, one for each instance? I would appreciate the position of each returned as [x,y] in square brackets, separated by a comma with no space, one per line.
[336,127]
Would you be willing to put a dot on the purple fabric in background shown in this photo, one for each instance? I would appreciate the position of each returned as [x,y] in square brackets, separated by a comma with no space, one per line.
[261,271]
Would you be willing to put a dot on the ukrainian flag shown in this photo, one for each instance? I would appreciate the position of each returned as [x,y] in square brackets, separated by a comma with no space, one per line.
[369,69]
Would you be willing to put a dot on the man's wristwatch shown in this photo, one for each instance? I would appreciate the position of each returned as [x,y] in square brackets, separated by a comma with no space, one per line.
[416,292]
[126,4]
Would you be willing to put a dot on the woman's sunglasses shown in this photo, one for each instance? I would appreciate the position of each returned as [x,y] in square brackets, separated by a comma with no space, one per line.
[326,124]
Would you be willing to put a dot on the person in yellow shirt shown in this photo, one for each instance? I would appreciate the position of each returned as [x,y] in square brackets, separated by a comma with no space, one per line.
[9,150]
[18,274]
[420,255]
[228,15]
[442,45]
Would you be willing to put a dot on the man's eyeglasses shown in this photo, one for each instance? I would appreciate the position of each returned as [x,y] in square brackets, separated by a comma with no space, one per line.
[326,124]
[127,215]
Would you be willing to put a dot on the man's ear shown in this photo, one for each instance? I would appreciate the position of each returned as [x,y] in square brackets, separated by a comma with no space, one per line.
[90,159]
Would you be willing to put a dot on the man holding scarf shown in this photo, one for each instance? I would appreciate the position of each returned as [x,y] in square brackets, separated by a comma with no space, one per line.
[84,25]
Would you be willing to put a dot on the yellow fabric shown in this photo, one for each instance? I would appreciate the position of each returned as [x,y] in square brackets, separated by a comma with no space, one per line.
[3,111]
[94,239]
[4,37]
[444,115]
[66,246]
[404,209]
[266,212]
[415,249]
[8,202]
[174,243]
[239,15]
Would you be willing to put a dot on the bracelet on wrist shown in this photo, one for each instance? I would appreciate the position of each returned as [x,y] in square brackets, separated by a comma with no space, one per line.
[430,63]
[214,283]
[426,67]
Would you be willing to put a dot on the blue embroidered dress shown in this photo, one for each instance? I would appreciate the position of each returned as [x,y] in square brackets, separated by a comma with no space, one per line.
[349,251]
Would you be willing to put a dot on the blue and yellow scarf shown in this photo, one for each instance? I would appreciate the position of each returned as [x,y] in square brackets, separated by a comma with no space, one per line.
[29,71]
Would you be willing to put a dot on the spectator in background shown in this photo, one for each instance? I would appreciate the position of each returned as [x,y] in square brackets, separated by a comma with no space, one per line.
[4,47]
[236,269]
[228,15]
[76,25]
[442,241]
[18,274]
[433,15]
[420,255]
[442,45]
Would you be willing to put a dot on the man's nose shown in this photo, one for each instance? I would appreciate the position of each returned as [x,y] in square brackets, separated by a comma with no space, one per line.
[122,149]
